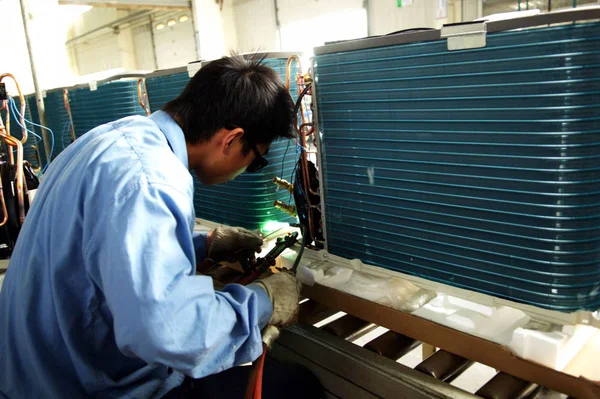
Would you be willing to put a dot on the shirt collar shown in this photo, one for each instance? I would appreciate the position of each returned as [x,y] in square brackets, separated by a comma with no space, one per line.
[173,134]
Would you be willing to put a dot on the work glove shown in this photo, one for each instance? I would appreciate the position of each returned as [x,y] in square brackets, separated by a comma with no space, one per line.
[284,291]
[233,244]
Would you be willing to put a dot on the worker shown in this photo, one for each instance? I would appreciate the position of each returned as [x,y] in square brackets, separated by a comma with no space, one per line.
[101,298]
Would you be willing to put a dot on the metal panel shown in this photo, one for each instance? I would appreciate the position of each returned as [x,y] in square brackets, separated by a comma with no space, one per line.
[424,35]
[109,102]
[475,168]
[349,371]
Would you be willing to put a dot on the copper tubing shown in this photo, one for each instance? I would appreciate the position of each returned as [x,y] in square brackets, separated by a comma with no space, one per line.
[303,156]
[288,72]
[11,141]
[283,184]
[4,130]
[301,134]
[143,96]
[4,211]
[68,108]
[311,125]
[305,178]
[22,100]
[288,69]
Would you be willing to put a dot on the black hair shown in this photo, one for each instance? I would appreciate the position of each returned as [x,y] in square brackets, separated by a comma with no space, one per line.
[236,91]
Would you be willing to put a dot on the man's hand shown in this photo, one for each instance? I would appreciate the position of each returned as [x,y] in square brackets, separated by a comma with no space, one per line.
[233,244]
[284,291]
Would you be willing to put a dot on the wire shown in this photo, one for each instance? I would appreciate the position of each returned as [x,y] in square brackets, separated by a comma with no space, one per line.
[287,147]
[296,109]
[299,101]
[16,113]
[12,102]
[301,251]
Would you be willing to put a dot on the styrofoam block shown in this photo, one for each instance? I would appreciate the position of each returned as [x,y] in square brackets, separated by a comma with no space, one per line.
[554,349]
[437,310]
[539,341]
[466,304]
[312,272]
[493,324]
[505,321]
[359,284]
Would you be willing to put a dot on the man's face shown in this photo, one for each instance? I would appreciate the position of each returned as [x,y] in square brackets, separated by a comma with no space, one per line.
[223,158]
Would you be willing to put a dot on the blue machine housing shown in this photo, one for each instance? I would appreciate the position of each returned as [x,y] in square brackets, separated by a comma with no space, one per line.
[248,200]
[476,168]
[112,100]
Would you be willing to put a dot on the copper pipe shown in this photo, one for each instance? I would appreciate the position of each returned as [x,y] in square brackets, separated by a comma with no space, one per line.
[4,211]
[288,72]
[306,181]
[4,130]
[284,184]
[22,100]
[143,96]
[304,158]
[311,125]
[288,69]
[70,115]
[301,135]
[11,141]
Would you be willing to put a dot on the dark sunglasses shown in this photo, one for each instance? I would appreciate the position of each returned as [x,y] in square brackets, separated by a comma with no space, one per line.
[258,163]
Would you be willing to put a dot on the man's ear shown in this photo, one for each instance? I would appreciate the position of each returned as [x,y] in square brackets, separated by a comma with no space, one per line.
[230,137]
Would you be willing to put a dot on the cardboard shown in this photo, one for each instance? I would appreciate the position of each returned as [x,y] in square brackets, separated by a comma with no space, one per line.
[477,349]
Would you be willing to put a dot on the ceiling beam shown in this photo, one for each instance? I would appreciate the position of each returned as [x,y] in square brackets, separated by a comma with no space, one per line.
[132,4]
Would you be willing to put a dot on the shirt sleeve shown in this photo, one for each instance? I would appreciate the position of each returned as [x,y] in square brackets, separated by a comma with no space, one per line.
[142,255]
[199,238]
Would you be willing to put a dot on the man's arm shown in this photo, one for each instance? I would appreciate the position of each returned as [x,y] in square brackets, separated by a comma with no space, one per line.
[142,259]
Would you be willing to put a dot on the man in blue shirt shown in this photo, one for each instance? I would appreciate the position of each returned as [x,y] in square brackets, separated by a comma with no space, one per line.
[101,297]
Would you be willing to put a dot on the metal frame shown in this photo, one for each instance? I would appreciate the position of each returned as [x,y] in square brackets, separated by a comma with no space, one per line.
[454,341]
[349,371]
[317,133]
[434,34]
[168,71]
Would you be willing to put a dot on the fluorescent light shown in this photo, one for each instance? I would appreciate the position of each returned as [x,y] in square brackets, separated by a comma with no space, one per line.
[171,22]
[183,18]
[160,26]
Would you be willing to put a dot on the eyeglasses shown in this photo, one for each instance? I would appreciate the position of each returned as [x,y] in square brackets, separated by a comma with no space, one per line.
[258,163]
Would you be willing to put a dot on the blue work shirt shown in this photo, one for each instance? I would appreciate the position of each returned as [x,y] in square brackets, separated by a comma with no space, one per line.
[101,297]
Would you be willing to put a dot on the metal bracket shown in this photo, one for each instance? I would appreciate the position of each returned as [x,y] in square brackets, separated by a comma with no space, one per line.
[193,67]
[465,36]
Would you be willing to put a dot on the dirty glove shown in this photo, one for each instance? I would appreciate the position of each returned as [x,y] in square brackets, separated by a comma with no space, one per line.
[284,291]
[233,244]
